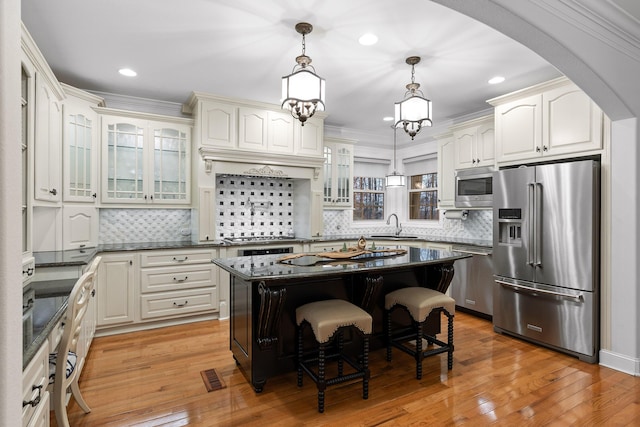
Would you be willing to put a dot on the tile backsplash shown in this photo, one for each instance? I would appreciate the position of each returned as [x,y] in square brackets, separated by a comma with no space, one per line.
[144,225]
[271,201]
[478,225]
[253,206]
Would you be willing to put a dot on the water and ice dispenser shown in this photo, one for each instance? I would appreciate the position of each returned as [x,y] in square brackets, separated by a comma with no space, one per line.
[510,227]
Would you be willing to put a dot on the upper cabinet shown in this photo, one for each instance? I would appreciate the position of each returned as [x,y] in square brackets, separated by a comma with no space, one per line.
[44,102]
[227,127]
[555,119]
[145,159]
[446,171]
[80,146]
[338,173]
[474,143]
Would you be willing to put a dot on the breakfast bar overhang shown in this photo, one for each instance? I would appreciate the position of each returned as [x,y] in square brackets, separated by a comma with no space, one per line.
[265,293]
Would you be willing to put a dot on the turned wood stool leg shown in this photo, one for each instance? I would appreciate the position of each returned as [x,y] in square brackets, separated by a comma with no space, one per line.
[300,355]
[365,367]
[419,353]
[322,385]
[387,314]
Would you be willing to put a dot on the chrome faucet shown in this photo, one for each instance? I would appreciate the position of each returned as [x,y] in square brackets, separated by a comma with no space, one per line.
[398,225]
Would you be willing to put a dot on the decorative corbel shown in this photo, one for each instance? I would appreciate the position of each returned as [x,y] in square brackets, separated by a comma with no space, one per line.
[208,165]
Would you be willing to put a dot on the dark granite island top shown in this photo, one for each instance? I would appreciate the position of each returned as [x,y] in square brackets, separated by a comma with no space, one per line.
[265,293]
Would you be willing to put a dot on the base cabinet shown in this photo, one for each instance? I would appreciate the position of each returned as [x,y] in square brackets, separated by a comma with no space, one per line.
[177,283]
[35,396]
[116,289]
[138,288]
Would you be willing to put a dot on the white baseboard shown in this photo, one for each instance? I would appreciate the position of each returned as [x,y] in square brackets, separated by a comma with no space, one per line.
[620,362]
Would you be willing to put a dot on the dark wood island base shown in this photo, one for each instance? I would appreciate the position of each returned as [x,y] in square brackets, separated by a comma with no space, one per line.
[264,295]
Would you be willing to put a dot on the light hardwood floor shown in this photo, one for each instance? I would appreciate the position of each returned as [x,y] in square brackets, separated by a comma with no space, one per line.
[152,378]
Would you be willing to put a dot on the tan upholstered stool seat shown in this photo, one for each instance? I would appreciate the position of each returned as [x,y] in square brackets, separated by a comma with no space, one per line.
[327,320]
[419,301]
[325,317]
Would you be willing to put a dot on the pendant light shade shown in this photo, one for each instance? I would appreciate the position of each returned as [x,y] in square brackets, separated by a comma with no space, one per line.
[414,111]
[395,179]
[303,91]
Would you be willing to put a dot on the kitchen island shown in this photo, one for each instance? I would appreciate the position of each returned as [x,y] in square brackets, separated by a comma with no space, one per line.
[265,293]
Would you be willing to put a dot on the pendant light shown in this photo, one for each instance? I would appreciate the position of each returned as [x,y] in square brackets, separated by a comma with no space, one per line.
[395,179]
[303,89]
[415,110]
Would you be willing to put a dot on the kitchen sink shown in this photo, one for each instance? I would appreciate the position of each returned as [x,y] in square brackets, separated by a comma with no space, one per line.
[391,236]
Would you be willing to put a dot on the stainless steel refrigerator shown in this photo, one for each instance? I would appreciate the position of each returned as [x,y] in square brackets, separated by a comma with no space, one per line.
[546,255]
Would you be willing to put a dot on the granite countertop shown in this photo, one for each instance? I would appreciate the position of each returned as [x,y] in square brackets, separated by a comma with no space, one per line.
[84,256]
[268,267]
[50,305]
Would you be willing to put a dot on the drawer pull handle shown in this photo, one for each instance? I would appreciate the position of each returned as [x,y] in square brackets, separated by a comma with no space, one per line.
[35,401]
[181,305]
[175,279]
[180,260]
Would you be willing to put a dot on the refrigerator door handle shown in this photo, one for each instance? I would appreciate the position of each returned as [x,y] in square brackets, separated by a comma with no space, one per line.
[577,298]
[531,214]
[538,226]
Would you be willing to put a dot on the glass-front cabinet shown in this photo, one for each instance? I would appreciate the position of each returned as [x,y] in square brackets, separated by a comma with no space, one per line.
[80,145]
[338,173]
[145,161]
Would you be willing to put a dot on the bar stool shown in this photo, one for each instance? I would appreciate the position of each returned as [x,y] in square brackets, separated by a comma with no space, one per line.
[328,319]
[419,302]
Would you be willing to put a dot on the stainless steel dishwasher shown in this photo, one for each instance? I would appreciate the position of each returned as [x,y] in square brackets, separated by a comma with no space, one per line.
[472,284]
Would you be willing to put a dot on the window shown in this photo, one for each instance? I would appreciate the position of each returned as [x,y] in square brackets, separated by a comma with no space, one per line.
[423,196]
[368,198]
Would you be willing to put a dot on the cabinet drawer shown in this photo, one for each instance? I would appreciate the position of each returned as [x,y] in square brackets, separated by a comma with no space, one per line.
[179,302]
[56,335]
[165,258]
[35,379]
[175,278]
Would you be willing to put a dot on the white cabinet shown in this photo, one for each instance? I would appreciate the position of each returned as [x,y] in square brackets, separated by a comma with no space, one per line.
[35,396]
[554,120]
[48,141]
[438,246]
[474,143]
[177,283]
[338,173]
[281,129]
[446,171]
[145,161]
[310,141]
[216,123]
[27,103]
[237,125]
[80,146]
[79,227]
[116,289]
[206,214]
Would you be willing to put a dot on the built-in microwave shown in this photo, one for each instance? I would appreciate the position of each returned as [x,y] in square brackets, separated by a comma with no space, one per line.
[474,188]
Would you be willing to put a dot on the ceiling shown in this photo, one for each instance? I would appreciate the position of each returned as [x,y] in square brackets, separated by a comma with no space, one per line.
[242,48]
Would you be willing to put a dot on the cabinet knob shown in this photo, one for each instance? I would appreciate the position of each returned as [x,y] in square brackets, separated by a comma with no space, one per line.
[473,161]
[537,149]
[94,195]
[53,191]
[544,148]
[478,161]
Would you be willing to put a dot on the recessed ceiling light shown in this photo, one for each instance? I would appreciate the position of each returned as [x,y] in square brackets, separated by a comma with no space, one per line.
[387,118]
[496,80]
[368,39]
[127,72]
